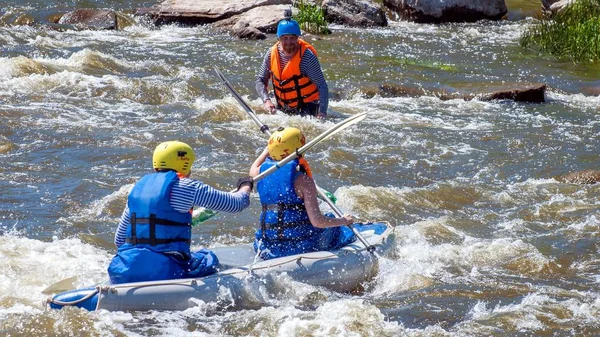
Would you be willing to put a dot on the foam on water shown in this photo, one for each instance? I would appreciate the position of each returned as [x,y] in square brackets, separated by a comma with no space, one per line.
[578,102]
[590,225]
[31,265]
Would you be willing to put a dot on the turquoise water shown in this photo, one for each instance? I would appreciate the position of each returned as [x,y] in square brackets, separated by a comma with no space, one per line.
[489,243]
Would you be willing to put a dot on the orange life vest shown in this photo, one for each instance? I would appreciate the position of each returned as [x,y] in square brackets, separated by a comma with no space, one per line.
[292,88]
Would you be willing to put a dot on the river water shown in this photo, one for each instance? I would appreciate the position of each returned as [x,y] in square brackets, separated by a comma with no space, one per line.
[488,242]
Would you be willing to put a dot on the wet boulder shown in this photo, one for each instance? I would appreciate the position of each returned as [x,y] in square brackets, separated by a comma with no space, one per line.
[354,13]
[546,4]
[534,93]
[16,18]
[5,145]
[261,15]
[591,90]
[194,12]
[243,30]
[531,93]
[437,11]
[393,90]
[95,19]
[580,177]
[255,23]
[24,20]
[552,7]
[527,93]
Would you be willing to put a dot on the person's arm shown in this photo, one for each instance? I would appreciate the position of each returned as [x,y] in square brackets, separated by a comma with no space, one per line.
[306,190]
[187,193]
[255,168]
[121,233]
[262,83]
[310,66]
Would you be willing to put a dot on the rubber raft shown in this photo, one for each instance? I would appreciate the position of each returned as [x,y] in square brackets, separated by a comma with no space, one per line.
[342,270]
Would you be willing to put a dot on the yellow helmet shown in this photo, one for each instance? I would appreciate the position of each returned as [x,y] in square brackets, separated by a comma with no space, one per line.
[173,155]
[285,141]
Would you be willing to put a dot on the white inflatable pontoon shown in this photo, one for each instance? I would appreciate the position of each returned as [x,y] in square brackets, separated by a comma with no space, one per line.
[342,270]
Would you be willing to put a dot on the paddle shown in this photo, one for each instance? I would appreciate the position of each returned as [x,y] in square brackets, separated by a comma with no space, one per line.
[324,195]
[203,212]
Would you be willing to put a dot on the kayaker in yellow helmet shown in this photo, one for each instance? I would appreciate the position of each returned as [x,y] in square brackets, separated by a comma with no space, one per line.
[154,234]
[291,221]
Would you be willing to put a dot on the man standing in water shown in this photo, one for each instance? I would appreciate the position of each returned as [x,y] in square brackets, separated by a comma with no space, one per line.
[298,82]
[154,234]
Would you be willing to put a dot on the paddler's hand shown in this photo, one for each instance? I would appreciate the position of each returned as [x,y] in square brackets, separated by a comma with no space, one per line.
[322,115]
[349,219]
[269,106]
[245,184]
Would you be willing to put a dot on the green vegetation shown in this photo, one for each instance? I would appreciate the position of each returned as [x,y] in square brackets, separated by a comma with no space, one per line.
[311,17]
[573,33]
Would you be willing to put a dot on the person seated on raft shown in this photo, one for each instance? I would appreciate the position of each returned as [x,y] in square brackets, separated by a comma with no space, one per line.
[291,221]
[154,234]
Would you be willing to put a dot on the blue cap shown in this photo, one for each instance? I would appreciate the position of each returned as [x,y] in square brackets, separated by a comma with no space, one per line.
[287,27]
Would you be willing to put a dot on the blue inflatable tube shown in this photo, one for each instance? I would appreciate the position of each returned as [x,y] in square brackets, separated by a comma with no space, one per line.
[86,298]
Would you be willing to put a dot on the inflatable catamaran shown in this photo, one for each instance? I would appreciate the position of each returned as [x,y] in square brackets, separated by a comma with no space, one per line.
[342,270]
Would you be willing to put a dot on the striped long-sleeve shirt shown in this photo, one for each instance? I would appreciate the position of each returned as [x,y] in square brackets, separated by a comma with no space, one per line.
[187,193]
[309,66]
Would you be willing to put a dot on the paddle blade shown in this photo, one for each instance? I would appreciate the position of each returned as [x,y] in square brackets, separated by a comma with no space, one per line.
[327,194]
[202,214]
[60,286]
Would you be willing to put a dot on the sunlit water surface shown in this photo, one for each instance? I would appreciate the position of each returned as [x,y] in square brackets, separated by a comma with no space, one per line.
[488,242]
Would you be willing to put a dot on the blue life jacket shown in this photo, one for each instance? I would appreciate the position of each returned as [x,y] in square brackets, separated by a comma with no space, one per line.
[154,223]
[285,228]
[157,245]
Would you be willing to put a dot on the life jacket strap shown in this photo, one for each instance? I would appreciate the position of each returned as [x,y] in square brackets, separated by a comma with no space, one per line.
[294,78]
[133,221]
[156,241]
[300,98]
[285,225]
[278,87]
[284,239]
[282,207]
[152,221]
[280,226]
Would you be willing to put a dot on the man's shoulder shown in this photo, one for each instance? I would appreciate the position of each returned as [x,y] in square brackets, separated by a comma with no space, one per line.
[309,52]
[187,183]
[309,56]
